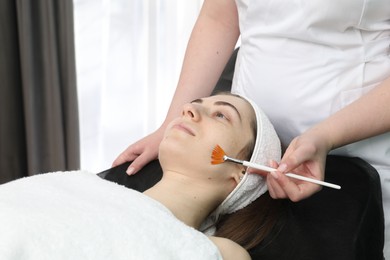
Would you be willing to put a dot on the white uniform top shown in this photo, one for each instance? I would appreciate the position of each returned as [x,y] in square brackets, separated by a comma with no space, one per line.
[302,61]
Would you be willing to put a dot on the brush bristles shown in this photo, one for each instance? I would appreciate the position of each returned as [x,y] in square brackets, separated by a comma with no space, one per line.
[218,155]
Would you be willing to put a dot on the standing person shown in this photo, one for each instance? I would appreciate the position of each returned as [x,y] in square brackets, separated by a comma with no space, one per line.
[319,69]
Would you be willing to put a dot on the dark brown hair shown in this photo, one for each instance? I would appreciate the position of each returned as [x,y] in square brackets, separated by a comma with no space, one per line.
[252,224]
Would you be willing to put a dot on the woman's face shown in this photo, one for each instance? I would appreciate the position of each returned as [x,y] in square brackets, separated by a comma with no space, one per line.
[190,139]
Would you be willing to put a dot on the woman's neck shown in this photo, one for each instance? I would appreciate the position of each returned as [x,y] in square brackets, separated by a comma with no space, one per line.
[190,200]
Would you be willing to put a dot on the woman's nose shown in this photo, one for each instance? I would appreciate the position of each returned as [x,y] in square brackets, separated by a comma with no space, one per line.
[191,111]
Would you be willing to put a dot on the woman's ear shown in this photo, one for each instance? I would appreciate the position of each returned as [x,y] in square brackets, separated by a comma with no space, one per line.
[239,175]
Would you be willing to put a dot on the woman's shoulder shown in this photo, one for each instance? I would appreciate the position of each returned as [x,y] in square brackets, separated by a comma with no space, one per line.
[229,249]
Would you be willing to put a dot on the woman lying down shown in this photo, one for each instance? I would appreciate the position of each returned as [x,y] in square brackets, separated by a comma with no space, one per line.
[194,212]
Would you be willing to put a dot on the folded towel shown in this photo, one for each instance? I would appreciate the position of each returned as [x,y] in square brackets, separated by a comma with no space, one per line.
[78,215]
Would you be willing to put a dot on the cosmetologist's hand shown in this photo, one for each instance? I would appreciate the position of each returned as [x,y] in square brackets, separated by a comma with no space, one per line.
[141,152]
[306,156]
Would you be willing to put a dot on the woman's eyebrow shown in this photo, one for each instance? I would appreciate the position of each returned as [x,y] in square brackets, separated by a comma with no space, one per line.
[220,103]
[223,103]
[198,100]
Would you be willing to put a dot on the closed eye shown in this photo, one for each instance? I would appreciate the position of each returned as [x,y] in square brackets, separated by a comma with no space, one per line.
[221,115]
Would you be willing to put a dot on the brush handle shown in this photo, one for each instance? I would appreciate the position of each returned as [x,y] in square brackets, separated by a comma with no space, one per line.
[291,175]
[258,166]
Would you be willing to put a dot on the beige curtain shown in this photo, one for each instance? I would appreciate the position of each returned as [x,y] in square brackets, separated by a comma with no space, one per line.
[38,98]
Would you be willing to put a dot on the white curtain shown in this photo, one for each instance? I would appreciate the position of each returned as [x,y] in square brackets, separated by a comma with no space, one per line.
[128,55]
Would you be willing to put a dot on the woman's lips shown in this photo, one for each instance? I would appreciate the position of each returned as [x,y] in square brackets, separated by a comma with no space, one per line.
[184,128]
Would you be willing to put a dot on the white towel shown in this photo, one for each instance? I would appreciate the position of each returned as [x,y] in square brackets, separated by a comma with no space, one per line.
[78,215]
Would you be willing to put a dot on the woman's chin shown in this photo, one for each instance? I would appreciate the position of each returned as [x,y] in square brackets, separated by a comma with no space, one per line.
[171,155]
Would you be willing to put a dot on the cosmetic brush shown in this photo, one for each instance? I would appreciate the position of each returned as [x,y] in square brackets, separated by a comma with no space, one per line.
[218,156]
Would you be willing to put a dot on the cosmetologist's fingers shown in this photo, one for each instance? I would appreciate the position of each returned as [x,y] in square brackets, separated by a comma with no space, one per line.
[295,190]
[122,158]
[271,189]
[140,162]
[276,191]
[132,151]
[272,164]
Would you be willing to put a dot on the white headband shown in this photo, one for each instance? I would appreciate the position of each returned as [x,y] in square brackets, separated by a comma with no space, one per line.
[267,147]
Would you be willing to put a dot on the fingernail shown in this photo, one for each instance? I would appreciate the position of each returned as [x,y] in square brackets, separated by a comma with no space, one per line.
[274,174]
[282,167]
[130,171]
